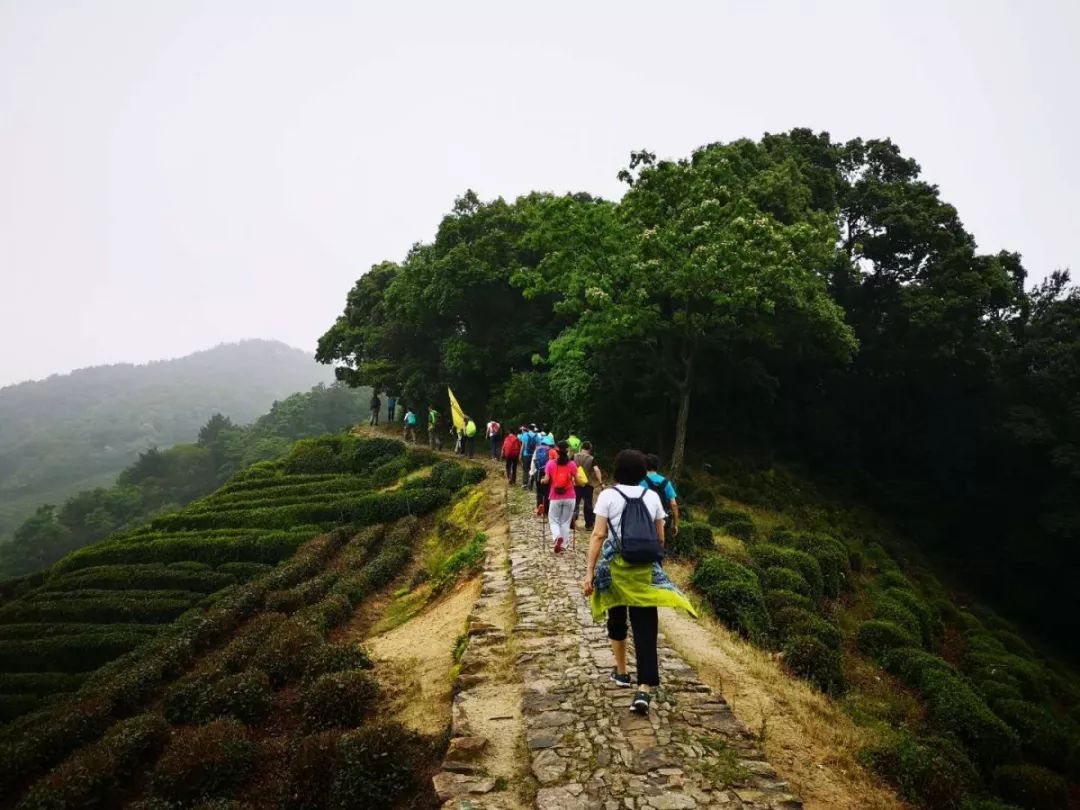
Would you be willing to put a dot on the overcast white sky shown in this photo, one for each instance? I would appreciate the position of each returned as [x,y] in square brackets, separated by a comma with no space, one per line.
[176,173]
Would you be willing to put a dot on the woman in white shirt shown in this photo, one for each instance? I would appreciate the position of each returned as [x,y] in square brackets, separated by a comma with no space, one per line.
[619,589]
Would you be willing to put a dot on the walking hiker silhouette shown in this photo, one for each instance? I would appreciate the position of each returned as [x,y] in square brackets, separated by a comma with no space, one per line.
[623,577]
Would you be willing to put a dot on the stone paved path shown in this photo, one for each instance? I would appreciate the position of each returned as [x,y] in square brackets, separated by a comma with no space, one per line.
[587,750]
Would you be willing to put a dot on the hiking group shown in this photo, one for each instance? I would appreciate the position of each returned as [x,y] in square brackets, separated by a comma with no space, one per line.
[628,524]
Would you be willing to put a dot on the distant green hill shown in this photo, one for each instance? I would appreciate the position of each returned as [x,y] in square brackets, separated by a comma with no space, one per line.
[76,431]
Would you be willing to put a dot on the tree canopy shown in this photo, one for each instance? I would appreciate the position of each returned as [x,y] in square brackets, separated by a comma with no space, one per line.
[817,299]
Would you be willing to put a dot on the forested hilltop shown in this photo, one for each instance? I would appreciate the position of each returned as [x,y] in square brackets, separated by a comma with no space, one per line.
[790,297]
[76,431]
[161,481]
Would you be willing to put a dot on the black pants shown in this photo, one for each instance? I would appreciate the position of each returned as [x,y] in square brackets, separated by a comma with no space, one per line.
[496,447]
[511,470]
[374,417]
[584,498]
[470,446]
[526,465]
[390,413]
[645,624]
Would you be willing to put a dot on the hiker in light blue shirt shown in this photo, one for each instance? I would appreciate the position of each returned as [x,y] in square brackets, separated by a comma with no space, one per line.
[669,498]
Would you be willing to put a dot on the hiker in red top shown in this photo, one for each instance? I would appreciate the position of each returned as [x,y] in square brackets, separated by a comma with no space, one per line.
[511,452]
[559,476]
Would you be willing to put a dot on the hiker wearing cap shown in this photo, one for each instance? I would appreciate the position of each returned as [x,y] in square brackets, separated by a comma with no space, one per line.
[623,577]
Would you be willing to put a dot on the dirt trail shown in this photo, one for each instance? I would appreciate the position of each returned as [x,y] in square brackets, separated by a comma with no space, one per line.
[807,737]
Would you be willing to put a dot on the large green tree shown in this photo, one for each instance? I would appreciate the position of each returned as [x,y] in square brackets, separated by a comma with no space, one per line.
[718,254]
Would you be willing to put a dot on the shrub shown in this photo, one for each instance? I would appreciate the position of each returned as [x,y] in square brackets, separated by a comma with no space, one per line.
[767,555]
[327,613]
[930,772]
[955,708]
[889,610]
[785,579]
[337,657]
[909,663]
[734,592]
[723,516]
[339,699]
[85,779]
[14,706]
[193,576]
[66,653]
[928,624]
[119,607]
[287,652]
[692,540]
[376,765]
[1031,787]
[876,636]
[814,661]
[203,761]
[1043,738]
[778,600]
[833,558]
[793,622]
[311,769]
[39,683]
[742,528]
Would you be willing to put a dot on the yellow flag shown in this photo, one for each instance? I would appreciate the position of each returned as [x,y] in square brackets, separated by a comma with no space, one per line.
[455,411]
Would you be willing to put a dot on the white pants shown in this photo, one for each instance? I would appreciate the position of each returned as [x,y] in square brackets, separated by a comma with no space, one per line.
[559,515]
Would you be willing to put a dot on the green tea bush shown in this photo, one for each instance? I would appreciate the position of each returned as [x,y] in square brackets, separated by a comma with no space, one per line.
[287,652]
[14,706]
[722,516]
[929,625]
[693,540]
[1031,787]
[197,698]
[367,454]
[66,653]
[326,614]
[833,559]
[1044,739]
[777,600]
[39,683]
[244,571]
[339,699]
[447,475]
[767,555]
[929,772]
[1014,644]
[191,576]
[311,769]
[792,621]
[376,766]
[100,610]
[876,637]
[734,592]
[261,547]
[955,708]
[1031,676]
[785,579]
[743,528]
[814,661]
[86,778]
[337,657]
[34,631]
[203,761]
[909,663]
[890,610]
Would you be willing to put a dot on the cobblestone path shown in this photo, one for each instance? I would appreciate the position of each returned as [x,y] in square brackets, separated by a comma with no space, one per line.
[588,750]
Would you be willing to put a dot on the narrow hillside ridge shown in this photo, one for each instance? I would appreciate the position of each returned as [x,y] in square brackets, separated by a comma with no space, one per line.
[586,750]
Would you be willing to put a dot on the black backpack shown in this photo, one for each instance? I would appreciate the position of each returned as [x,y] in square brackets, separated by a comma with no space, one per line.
[639,542]
[661,490]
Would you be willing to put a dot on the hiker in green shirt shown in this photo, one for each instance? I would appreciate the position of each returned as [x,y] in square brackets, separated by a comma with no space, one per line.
[433,419]
[470,436]
[574,442]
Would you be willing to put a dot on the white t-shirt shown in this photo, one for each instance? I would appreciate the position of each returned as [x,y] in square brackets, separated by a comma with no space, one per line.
[610,504]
